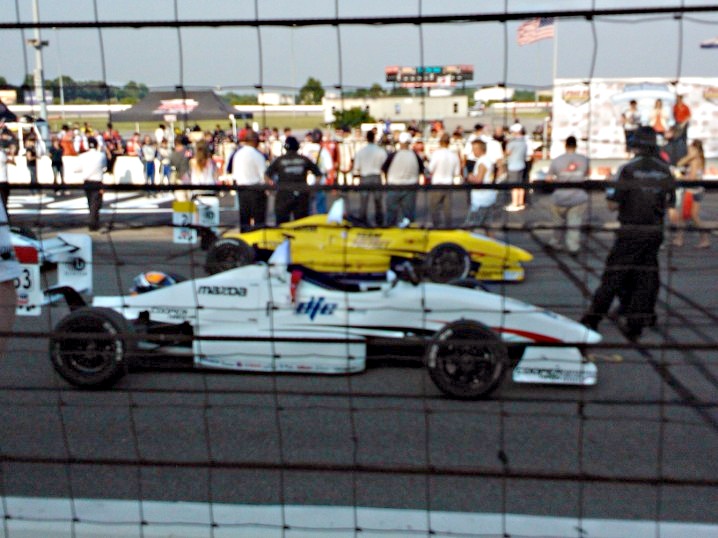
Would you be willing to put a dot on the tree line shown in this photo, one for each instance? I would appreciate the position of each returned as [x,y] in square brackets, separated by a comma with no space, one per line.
[95,91]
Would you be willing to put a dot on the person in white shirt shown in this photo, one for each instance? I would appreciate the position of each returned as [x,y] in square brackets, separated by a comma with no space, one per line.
[367,167]
[312,149]
[247,168]
[160,134]
[444,167]
[93,164]
[516,153]
[483,201]
[402,168]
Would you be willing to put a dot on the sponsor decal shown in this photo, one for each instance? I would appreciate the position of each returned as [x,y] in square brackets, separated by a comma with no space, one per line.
[223,290]
[78,265]
[710,94]
[655,175]
[176,106]
[647,87]
[316,306]
[369,240]
[250,365]
[555,374]
[171,312]
[576,96]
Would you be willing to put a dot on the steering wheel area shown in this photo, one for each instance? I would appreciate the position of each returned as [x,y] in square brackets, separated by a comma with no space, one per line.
[406,271]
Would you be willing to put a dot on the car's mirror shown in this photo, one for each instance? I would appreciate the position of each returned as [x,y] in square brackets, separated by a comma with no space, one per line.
[404,223]
[281,255]
[336,212]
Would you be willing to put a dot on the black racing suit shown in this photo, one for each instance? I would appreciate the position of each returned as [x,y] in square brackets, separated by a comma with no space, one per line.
[643,190]
[287,171]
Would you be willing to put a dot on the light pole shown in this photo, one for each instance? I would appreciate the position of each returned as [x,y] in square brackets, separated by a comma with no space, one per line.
[59,69]
[38,44]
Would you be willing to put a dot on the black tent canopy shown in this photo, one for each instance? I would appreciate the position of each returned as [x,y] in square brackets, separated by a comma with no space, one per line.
[180,106]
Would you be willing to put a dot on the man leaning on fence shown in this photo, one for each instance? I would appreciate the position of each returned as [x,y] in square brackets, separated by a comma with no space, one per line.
[287,171]
[568,206]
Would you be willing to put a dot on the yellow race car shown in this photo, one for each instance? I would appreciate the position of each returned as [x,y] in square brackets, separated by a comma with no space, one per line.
[332,244]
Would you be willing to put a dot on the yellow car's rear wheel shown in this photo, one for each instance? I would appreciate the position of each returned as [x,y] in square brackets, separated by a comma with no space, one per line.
[227,254]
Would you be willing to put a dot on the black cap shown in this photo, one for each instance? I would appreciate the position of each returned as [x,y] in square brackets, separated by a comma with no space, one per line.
[291,144]
[644,139]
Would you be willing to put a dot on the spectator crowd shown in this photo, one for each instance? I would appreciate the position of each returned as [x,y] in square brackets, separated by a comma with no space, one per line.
[391,167]
[379,159]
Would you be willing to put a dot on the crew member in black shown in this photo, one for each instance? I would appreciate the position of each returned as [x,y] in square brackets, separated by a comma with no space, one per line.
[288,170]
[643,190]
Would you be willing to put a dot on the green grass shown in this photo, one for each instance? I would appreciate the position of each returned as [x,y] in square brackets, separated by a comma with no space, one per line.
[298,121]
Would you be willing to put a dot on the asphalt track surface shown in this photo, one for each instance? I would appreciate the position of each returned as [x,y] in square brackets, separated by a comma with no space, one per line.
[641,444]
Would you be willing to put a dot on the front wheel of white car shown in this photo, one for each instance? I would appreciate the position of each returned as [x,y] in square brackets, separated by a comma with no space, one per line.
[226,254]
[90,361]
[466,360]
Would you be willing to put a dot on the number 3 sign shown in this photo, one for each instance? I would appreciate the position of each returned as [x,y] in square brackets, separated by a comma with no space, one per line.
[27,285]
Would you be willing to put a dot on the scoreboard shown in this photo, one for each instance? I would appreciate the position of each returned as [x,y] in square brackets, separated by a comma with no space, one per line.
[444,75]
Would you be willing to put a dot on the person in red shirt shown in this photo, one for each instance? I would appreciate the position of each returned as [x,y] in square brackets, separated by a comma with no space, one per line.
[681,116]
[66,141]
[133,145]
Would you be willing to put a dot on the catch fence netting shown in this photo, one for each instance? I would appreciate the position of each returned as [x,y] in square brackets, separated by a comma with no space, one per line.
[383,452]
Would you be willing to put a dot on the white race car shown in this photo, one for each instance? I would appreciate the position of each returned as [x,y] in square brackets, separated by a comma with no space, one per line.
[281,318]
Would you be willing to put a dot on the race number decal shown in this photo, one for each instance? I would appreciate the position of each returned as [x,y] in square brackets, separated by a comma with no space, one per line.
[27,285]
[184,215]
[208,211]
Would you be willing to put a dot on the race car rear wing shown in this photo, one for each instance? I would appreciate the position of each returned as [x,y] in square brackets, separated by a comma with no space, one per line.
[73,255]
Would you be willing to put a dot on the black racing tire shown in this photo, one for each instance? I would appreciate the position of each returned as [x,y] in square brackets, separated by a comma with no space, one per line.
[466,360]
[446,262]
[226,254]
[206,238]
[88,362]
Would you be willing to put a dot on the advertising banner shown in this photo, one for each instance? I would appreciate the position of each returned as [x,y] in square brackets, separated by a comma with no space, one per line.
[592,111]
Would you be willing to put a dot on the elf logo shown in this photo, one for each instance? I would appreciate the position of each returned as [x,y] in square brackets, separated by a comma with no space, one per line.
[316,306]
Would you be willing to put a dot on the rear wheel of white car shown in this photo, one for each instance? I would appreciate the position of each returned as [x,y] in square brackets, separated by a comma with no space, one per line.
[227,254]
[466,360]
[91,362]
[446,262]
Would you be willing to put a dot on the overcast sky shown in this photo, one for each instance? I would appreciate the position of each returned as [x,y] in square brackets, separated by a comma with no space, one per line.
[228,58]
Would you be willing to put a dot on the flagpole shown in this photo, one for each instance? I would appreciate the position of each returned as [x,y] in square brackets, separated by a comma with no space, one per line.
[555,52]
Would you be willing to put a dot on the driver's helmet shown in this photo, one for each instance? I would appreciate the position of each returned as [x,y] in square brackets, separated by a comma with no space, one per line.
[152,280]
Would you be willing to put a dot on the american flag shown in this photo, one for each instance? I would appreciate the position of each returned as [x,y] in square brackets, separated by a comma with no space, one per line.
[535,30]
